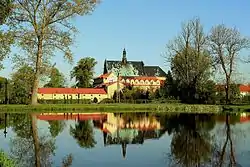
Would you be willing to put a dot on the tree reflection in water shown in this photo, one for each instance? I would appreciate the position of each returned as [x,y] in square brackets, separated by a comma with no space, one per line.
[224,149]
[32,150]
[191,142]
[28,147]
[195,144]
[84,134]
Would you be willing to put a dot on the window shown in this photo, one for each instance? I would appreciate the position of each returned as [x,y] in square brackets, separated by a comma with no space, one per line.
[99,95]
[91,95]
[54,94]
[42,94]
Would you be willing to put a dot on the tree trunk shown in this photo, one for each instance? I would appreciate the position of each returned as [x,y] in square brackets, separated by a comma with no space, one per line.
[227,89]
[36,141]
[37,74]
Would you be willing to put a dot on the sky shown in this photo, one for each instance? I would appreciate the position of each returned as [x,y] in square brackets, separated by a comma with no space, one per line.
[144,27]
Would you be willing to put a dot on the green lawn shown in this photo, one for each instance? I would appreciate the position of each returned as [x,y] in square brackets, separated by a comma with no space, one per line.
[112,108]
[177,107]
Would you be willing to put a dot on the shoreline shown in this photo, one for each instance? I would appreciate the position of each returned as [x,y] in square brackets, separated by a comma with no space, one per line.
[186,108]
[122,107]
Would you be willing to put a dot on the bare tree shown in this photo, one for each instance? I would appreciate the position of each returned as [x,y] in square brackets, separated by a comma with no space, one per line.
[225,46]
[43,26]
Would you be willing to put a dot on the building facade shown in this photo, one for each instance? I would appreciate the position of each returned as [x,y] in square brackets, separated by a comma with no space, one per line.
[72,93]
[119,74]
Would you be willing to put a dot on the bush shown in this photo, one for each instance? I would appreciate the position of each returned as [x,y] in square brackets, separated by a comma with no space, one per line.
[5,161]
[163,100]
[107,101]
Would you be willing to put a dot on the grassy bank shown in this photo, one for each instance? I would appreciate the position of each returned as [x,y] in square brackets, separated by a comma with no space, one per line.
[112,108]
[237,108]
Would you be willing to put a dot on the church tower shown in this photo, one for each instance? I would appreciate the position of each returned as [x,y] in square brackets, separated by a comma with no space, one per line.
[124,57]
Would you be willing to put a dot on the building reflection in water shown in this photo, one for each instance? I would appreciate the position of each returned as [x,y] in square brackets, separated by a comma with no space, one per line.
[118,129]
[124,129]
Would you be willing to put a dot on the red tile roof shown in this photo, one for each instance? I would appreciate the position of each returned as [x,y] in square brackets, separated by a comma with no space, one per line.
[242,88]
[72,117]
[71,91]
[245,88]
[104,75]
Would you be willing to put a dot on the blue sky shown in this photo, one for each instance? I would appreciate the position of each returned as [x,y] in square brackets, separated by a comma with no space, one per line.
[144,27]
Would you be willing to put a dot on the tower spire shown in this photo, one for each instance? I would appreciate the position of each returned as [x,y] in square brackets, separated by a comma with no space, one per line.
[124,57]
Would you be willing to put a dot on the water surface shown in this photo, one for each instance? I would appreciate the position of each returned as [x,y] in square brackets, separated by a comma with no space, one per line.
[126,139]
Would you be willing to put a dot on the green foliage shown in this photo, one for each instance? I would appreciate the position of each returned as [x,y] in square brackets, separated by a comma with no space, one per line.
[207,93]
[57,79]
[83,72]
[107,101]
[5,161]
[133,93]
[43,27]
[6,40]
[2,89]
[191,70]
[234,93]
[5,10]
[246,99]
[21,85]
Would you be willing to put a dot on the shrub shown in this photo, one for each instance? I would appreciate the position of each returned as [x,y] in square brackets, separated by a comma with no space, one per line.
[5,161]
[107,101]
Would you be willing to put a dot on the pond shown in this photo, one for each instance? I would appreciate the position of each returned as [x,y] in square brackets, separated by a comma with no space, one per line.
[126,139]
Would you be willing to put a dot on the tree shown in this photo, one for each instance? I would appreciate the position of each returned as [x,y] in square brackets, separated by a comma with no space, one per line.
[56,79]
[170,86]
[207,93]
[83,72]
[5,10]
[6,38]
[190,61]
[225,46]
[41,27]
[21,85]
